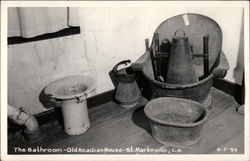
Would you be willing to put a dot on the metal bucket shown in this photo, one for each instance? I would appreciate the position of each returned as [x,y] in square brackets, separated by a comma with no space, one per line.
[176,122]
[127,92]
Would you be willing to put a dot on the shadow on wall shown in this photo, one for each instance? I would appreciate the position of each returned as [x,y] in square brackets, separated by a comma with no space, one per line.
[239,69]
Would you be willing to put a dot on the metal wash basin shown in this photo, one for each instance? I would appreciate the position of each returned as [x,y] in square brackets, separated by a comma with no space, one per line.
[195,26]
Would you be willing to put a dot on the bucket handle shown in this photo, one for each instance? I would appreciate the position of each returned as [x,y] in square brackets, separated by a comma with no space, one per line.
[81,98]
[120,63]
[184,34]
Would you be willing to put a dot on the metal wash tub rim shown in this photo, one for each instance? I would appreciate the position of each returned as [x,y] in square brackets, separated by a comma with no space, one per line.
[177,86]
[172,86]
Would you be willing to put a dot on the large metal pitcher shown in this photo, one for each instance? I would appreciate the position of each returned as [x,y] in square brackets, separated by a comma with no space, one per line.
[127,91]
[180,66]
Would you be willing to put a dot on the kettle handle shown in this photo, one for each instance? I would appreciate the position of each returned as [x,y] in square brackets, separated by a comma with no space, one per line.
[120,63]
[184,34]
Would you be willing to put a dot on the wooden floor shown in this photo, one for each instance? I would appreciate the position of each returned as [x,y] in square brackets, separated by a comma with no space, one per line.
[116,127]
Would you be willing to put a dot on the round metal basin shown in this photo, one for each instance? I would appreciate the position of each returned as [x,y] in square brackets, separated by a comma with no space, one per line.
[176,122]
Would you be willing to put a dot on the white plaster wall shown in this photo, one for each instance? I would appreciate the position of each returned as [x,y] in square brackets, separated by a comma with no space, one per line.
[32,66]
[231,22]
[116,34]
[108,35]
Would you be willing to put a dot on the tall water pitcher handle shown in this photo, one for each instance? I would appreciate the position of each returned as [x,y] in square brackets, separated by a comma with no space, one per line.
[120,63]
[184,34]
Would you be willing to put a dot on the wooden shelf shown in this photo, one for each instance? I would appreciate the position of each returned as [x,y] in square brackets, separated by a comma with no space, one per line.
[65,32]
